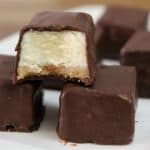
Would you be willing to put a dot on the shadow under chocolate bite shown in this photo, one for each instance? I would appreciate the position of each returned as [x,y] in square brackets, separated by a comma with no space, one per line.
[49,124]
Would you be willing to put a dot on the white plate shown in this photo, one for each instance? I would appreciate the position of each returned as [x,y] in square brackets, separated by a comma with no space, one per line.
[46,138]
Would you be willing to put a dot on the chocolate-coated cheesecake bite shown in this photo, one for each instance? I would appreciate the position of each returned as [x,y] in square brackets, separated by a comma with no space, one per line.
[21,105]
[136,52]
[103,114]
[118,24]
[58,44]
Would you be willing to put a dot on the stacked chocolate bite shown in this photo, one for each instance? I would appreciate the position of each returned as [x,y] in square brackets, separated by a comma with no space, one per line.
[57,45]
[57,48]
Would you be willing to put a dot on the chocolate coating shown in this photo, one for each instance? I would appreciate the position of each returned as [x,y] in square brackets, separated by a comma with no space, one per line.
[21,105]
[103,114]
[59,21]
[118,25]
[136,52]
[53,84]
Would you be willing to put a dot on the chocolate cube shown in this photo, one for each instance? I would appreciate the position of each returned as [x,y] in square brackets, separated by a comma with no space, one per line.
[118,24]
[103,114]
[136,52]
[21,105]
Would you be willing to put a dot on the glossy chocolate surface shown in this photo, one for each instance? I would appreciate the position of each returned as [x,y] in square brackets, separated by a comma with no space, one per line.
[21,105]
[103,114]
[136,52]
[59,21]
[118,25]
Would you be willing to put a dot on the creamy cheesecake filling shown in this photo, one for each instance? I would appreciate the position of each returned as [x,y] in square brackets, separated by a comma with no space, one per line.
[48,52]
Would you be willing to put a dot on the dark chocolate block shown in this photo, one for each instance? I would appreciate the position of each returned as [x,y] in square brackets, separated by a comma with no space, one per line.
[118,25]
[21,105]
[57,44]
[103,114]
[136,53]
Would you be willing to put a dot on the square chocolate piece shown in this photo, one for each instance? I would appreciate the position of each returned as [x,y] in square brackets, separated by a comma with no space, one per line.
[136,52]
[117,25]
[21,105]
[103,114]
[57,44]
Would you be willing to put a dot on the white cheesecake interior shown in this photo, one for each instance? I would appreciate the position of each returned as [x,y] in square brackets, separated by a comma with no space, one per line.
[53,53]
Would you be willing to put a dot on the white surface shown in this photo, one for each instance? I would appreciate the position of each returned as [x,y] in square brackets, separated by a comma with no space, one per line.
[46,138]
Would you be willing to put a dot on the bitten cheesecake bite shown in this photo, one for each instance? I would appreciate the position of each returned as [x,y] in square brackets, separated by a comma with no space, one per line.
[103,114]
[58,44]
[20,105]
[136,52]
[117,25]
